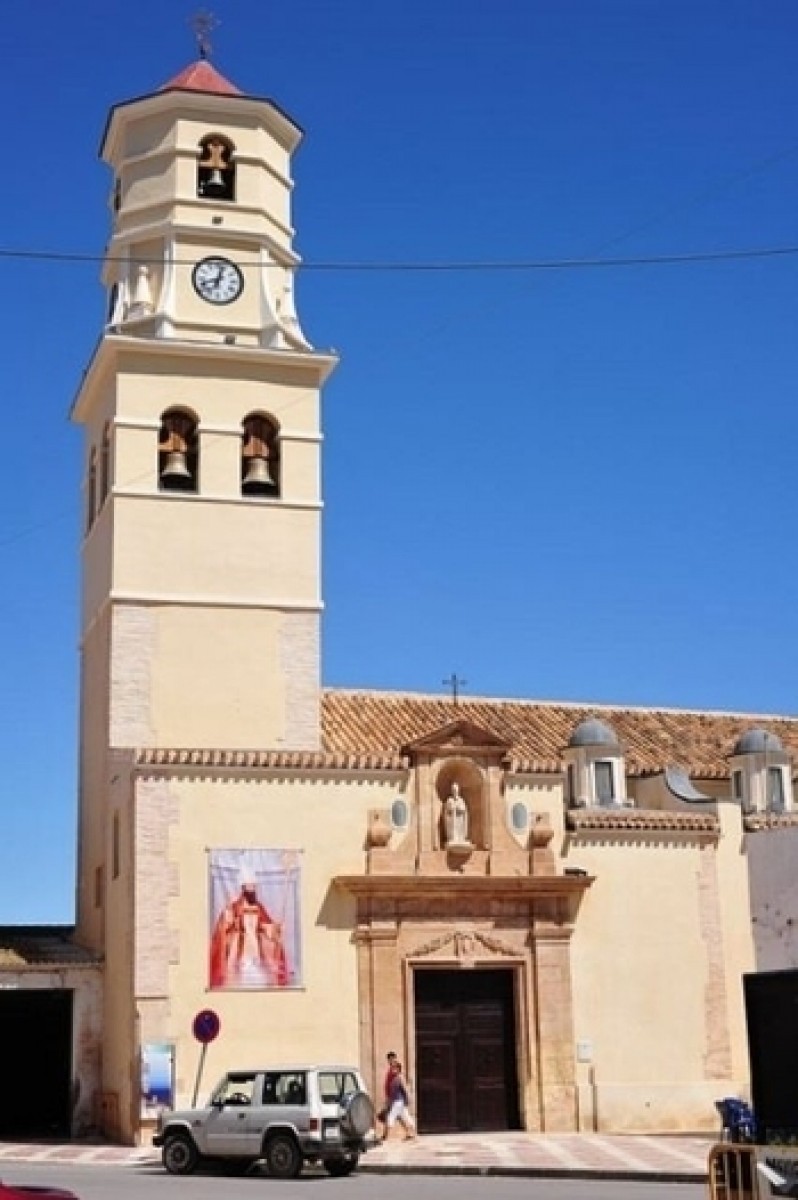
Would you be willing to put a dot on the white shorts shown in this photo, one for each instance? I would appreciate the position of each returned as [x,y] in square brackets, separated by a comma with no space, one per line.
[398,1111]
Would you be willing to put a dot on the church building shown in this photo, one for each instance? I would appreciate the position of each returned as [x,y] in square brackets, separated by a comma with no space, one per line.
[545,909]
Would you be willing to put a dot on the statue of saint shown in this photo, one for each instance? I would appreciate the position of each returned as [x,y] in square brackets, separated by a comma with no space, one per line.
[455,818]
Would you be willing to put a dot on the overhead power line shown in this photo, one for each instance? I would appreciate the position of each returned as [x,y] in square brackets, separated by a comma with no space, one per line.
[520,264]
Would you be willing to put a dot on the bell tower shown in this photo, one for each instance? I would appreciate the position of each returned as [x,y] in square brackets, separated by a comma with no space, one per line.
[200,407]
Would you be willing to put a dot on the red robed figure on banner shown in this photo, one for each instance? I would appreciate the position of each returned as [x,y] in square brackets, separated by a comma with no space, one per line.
[247,944]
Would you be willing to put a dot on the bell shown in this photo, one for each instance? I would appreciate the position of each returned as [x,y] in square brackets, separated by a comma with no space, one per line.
[214,184]
[175,468]
[256,477]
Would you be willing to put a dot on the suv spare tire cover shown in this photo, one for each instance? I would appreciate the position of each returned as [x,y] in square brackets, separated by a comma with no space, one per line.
[357,1113]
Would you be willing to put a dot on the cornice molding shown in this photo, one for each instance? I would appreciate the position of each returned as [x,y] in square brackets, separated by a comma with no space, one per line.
[758,822]
[494,886]
[642,820]
[226,762]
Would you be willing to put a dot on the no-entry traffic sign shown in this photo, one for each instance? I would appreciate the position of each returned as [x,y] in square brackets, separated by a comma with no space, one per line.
[206,1026]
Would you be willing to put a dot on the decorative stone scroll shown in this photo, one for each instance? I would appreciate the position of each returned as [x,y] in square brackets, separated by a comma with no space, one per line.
[466,944]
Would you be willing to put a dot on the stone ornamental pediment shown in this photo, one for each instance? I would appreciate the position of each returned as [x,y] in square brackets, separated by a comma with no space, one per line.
[466,944]
[459,736]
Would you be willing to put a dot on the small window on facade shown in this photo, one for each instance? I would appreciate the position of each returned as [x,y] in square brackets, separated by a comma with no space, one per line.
[115,846]
[519,817]
[775,789]
[737,785]
[116,199]
[571,784]
[178,452]
[99,887]
[216,172]
[399,813]
[105,464]
[605,783]
[260,457]
[91,489]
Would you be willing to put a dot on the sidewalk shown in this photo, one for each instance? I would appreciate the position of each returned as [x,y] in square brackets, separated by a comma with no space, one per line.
[678,1159]
[562,1155]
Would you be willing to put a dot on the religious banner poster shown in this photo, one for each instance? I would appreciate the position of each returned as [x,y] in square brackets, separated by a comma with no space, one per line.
[157,1079]
[254,919]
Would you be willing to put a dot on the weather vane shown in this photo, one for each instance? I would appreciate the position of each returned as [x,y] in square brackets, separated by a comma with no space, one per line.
[203,23]
[455,683]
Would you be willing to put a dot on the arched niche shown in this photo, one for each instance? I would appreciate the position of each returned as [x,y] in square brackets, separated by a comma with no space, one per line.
[471,783]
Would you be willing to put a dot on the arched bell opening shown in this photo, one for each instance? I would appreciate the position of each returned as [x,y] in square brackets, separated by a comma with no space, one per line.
[459,786]
[105,464]
[178,451]
[91,489]
[260,456]
[216,171]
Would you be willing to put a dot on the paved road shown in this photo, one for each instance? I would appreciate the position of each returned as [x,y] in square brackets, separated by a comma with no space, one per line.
[140,1182]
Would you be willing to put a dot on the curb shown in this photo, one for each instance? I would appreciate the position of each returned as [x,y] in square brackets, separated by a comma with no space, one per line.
[607,1174]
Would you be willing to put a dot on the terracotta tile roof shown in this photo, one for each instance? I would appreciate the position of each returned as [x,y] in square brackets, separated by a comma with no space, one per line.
[381,723]
[201,76]
[24,946]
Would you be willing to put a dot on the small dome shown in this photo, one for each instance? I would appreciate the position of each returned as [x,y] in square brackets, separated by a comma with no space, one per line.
[593,732]
[758,741]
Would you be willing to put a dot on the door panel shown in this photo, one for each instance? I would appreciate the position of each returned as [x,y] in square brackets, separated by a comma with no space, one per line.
[436,1066]
[488,1090]
[465,1038]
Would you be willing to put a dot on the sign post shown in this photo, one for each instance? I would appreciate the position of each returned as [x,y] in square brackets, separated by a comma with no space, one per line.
[205,1027]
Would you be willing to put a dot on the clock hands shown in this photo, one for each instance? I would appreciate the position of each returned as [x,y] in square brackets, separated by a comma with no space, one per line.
[218,280]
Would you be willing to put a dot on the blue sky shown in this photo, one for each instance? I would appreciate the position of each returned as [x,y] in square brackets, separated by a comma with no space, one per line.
[570,485]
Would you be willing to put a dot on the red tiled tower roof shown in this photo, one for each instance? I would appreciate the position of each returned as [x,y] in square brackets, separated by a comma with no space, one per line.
[201,76]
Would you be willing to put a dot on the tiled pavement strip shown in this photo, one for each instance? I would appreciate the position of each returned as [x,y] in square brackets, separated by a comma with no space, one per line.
[669,1158]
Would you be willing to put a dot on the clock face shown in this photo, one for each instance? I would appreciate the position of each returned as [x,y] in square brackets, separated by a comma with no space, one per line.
[217,280]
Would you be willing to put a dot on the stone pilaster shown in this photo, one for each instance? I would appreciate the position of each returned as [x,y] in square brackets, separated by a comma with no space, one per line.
[555,1028]
[717,1055]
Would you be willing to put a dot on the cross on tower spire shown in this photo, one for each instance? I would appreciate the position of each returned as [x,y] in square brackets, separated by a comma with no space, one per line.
[203,23]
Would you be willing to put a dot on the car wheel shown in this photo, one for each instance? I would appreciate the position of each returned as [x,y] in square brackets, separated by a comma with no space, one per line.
[283,1157]
[180,1156]
[357,1114]
[338,1167]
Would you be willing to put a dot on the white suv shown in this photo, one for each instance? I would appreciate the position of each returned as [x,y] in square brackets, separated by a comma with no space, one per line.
[286,1116]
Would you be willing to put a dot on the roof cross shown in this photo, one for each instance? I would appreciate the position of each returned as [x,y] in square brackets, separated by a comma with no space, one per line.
[455,683]
[203,23]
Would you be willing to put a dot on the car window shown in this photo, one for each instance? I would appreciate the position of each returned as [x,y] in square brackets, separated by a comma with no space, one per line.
[334,1085]
[285,1087]
[235,1090]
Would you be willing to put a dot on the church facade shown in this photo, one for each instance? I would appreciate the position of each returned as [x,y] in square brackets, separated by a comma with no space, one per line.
[545,909]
